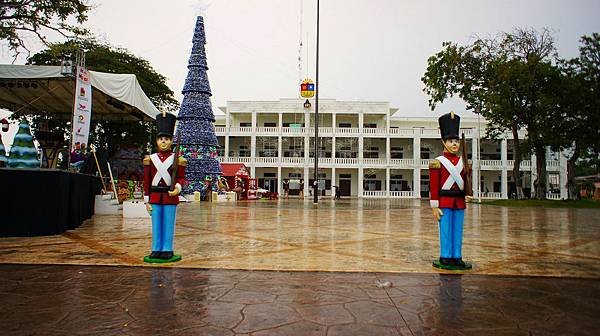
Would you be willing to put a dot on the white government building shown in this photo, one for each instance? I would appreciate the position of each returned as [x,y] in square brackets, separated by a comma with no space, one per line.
[367,149]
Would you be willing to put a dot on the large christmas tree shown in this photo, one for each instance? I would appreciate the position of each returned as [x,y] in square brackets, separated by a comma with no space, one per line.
[198,141]
[23,153]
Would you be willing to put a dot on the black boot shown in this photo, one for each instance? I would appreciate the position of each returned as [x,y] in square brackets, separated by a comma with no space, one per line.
[155,255]
[459,262]
[166,255]
[446,261]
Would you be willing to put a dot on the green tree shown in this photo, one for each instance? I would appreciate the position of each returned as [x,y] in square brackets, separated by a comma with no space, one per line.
[581,96]
[511,80]
[105,58]
[20,18]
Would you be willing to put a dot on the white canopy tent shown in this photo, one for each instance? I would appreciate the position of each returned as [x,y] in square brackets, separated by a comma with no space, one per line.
[44,89]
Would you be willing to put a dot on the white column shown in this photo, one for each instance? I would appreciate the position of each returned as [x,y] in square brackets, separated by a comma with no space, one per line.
[280,122]
[227,145]
[475,166]
[388,152]
[361,177]
[334,121]
[504,179]
[306,178]
[279,181]
[279,148]
[254,119]
[387,182]
[417,182]
[334,181]
[361,121]
[564,192]
[253,170]
[417,159]
[307,134]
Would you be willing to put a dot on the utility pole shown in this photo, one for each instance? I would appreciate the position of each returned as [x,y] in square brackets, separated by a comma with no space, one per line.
[318,84]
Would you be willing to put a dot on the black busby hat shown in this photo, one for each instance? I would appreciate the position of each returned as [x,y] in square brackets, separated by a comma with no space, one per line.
[165,122]
[449,126]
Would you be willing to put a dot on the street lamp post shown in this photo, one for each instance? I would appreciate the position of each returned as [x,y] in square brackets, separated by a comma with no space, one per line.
[318,87]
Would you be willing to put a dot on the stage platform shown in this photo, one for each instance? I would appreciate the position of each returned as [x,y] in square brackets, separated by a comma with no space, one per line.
[39,202]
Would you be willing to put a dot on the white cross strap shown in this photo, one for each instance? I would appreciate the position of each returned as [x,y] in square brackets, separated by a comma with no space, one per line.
[454,173]
[162,169]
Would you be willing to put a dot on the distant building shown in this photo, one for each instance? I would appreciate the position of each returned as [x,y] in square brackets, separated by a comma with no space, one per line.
[367,149]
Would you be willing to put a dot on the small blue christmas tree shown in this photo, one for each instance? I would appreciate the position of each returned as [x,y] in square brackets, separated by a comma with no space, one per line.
[23,153]
[198,141]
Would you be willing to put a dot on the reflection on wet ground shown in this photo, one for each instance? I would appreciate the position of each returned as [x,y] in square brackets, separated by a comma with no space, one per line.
[347,235]
[366,270]
[101,300]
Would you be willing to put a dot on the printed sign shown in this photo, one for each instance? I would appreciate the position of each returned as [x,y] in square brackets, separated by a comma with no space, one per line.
[307,88]
[83,110]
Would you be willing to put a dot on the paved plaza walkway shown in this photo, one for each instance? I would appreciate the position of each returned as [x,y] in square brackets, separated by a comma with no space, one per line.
[366,270]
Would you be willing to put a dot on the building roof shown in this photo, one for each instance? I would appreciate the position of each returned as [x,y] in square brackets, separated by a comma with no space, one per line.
[234,169]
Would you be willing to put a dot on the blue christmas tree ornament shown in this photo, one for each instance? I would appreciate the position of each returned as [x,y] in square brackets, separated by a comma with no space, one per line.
[198,141]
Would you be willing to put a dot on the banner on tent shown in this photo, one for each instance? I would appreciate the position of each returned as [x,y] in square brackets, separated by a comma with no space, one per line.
[82,113]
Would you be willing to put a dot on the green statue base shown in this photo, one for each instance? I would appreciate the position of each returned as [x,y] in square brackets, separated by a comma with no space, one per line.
[438,264]
[149,260]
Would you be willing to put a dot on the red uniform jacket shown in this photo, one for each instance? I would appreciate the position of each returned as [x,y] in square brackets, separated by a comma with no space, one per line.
[438,174]
[150,171]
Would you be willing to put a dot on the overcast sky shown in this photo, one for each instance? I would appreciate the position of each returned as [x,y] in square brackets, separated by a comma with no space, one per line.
[369,50]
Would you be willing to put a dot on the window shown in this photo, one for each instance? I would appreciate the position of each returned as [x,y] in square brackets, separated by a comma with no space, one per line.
[270,124]
[245,124]
[345,176]
[295,175]
[371,153]
[344,125]
[396,153]
[369,125]
[270,174]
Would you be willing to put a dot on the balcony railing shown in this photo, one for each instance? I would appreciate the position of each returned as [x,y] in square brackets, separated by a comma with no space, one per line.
[425,162]
[375,162]
[235,159]
[402,162]
[341,131]
[491,164]
[346,130]
[345,161]
[269,160]
[377,131]
[553,196]
[292,160]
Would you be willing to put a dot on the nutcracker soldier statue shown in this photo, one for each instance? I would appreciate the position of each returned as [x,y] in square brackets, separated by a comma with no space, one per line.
[449,188]
[164,173]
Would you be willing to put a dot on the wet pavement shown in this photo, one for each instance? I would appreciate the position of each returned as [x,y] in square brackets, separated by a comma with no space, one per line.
[347,235]
[101,300]
[348,267]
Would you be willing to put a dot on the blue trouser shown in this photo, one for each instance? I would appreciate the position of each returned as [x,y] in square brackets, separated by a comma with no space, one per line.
[451,230]
[163,226]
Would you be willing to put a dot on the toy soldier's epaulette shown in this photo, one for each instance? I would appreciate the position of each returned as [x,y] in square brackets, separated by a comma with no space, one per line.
[147,160]
[181,161]
[434,164]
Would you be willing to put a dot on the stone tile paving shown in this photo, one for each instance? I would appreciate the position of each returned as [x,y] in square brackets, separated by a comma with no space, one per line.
[104,300]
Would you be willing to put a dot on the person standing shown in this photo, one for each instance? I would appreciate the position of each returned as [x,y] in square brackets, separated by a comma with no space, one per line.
[301,189]
[286,188]
[162,197]
[447,195]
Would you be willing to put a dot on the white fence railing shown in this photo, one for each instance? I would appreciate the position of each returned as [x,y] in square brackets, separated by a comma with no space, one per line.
[268,160]
[491,195]
[377,193]
[422,132]
[496,164]
[402,194]
[292,160]
[235,159]
[345,161]
[375,162]
[402,162]
[425,162]
[375,131]
[553,196]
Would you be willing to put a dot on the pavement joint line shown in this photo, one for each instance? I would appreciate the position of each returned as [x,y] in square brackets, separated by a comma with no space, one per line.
[98,247]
